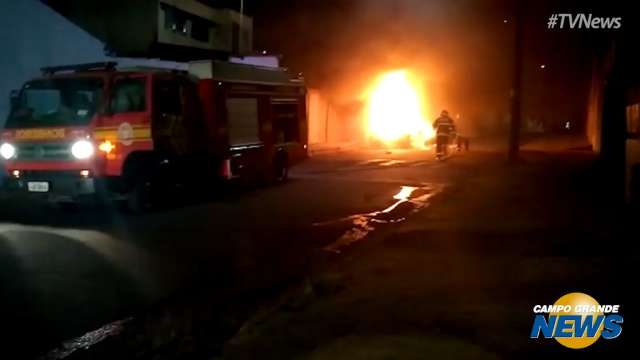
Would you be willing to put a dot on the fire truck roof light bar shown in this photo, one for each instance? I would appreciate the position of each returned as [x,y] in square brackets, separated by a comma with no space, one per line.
[107,66]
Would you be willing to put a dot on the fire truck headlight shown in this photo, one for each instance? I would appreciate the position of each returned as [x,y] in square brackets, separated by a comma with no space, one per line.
[82,149]
[7,151]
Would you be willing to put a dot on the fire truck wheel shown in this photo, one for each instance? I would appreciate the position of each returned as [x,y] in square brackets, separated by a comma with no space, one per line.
[281,168]
[139,198]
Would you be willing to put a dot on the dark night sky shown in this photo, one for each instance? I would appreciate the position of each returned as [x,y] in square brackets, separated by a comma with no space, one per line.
[463,48]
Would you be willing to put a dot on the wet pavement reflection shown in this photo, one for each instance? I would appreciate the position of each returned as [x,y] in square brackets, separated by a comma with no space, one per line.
[408,200]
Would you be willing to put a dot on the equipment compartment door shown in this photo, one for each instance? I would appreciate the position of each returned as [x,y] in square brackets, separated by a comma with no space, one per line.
[242,116]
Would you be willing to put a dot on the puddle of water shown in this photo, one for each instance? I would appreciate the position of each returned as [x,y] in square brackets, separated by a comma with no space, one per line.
[372,161]
[87,340]
[392,162]
[409,200]
[381,162]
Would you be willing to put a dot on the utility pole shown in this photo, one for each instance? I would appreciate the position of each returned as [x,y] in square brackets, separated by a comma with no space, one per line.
[516,87]
[241,12]
[326,124]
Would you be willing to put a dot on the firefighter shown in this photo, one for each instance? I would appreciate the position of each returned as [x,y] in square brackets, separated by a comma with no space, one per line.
[445,131]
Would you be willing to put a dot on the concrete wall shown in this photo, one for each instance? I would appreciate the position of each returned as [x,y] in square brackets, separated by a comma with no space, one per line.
[332,123]
[594,108]
[221,35]
[602,66]
[139,29]
[318,115]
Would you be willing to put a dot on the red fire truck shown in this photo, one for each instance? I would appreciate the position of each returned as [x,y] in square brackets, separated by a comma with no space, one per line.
[137,133]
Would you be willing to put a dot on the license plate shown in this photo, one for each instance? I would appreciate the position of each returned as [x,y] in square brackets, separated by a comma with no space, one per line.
[38,186]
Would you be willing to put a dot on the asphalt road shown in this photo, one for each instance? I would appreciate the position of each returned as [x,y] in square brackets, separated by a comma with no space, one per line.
[459,278]
[65,273]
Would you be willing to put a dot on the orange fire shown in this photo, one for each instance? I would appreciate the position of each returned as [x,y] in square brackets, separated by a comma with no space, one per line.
[395,111]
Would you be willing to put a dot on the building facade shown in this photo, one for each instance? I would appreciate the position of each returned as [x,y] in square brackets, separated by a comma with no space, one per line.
[168,29]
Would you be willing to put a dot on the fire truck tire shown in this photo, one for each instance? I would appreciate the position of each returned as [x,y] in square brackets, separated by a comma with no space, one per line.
[281,168]
[139,197]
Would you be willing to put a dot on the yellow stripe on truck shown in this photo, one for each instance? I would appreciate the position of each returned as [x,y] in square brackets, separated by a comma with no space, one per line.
[105,134]
[40,134]
[111,133]
[142,133]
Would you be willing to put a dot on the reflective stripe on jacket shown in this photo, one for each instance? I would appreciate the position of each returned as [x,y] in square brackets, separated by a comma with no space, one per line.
[444,125]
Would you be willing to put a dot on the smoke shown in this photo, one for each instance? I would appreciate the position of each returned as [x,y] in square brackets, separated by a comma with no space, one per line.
[461,50]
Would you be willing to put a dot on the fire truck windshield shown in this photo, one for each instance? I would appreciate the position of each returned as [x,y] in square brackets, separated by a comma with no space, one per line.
[56,102]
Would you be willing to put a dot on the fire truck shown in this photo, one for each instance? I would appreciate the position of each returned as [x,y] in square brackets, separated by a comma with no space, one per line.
[135,134]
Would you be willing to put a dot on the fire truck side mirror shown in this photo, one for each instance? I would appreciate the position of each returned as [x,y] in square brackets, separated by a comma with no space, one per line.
[13,98]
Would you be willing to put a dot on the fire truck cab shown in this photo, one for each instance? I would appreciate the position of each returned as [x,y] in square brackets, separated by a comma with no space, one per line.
[137,133]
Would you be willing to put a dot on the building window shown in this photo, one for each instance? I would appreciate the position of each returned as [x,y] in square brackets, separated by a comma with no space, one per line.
[201,30]
[633,120]
[186,24]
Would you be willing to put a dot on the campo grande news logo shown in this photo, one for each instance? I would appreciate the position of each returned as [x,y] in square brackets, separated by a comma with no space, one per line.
[576,321]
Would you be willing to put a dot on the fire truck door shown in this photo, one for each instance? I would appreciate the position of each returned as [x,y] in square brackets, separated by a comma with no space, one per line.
[169,133]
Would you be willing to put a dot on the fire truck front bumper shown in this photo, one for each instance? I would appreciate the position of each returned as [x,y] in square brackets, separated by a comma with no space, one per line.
[53,185]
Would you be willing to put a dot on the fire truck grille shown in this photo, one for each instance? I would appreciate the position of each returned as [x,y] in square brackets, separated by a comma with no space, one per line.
[53,151]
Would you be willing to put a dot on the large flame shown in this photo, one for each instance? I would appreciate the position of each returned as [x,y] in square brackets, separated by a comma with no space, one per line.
[396,109]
